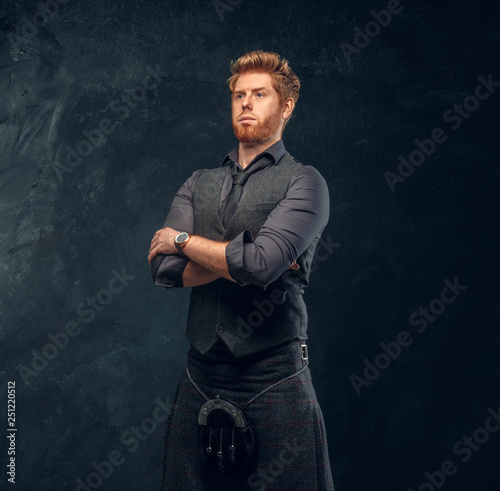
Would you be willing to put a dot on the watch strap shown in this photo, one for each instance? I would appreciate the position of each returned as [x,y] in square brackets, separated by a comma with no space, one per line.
[181,245]
[179,248]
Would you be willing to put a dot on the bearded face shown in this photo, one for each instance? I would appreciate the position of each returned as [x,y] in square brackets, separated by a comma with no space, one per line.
[257,130]
[255,97]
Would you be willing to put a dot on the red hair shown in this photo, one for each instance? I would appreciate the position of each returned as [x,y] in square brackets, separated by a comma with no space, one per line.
[285,82]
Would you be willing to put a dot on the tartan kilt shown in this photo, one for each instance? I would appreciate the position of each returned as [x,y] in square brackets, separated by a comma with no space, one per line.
[287,421]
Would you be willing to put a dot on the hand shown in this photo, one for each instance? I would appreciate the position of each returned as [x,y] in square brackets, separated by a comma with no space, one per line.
[163,243]
[294,265]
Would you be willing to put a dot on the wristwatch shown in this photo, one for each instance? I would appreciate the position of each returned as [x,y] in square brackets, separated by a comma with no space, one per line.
[181,240]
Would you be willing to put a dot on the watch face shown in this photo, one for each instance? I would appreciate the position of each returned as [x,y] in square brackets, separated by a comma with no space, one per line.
[182,237]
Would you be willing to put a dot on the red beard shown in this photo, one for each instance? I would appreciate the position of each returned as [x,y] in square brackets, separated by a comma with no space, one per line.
[257,132]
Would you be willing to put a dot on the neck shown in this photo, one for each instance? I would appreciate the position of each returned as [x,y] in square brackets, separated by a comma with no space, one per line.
[248,151]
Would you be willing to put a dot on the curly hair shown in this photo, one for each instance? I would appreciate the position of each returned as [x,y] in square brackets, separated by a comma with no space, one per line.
[285,82]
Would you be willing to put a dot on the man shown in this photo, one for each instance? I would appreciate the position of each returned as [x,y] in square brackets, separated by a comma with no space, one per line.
[243,235]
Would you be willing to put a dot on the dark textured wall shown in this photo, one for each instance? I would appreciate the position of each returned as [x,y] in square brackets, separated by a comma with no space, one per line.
[75,215]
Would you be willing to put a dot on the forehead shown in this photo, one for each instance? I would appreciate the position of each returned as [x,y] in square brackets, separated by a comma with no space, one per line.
[253,80]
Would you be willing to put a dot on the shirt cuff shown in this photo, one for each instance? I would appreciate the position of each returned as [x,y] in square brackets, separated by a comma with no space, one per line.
[167,270]
[234,257]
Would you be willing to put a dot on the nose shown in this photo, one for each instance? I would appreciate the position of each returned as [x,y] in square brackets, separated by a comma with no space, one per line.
[246,102]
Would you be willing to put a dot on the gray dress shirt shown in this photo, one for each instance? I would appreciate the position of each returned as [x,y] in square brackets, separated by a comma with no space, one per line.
[289,229]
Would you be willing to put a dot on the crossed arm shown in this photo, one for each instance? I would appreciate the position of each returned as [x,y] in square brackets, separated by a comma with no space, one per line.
[207,258]
[287,232]
[195,274]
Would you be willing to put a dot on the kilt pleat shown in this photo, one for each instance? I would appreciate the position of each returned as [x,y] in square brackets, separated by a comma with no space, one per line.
[287,421]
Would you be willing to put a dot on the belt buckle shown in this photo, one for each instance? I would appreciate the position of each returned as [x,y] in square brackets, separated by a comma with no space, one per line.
[303,351]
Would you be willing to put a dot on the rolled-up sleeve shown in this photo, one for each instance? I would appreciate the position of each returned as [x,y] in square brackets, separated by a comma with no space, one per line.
[167,269]
[297,220]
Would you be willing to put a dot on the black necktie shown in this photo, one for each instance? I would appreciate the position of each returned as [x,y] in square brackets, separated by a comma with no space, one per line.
[234,196]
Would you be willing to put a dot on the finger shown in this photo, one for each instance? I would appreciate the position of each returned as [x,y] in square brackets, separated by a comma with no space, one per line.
[157,235]
[155,242]
[153,245]
[152,254]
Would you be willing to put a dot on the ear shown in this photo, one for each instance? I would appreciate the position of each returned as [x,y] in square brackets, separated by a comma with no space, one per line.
[288,108]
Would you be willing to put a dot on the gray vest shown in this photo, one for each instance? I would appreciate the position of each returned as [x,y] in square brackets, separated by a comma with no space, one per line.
[247,318]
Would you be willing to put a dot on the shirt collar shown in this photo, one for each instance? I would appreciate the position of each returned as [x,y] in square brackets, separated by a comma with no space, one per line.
[275,151]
